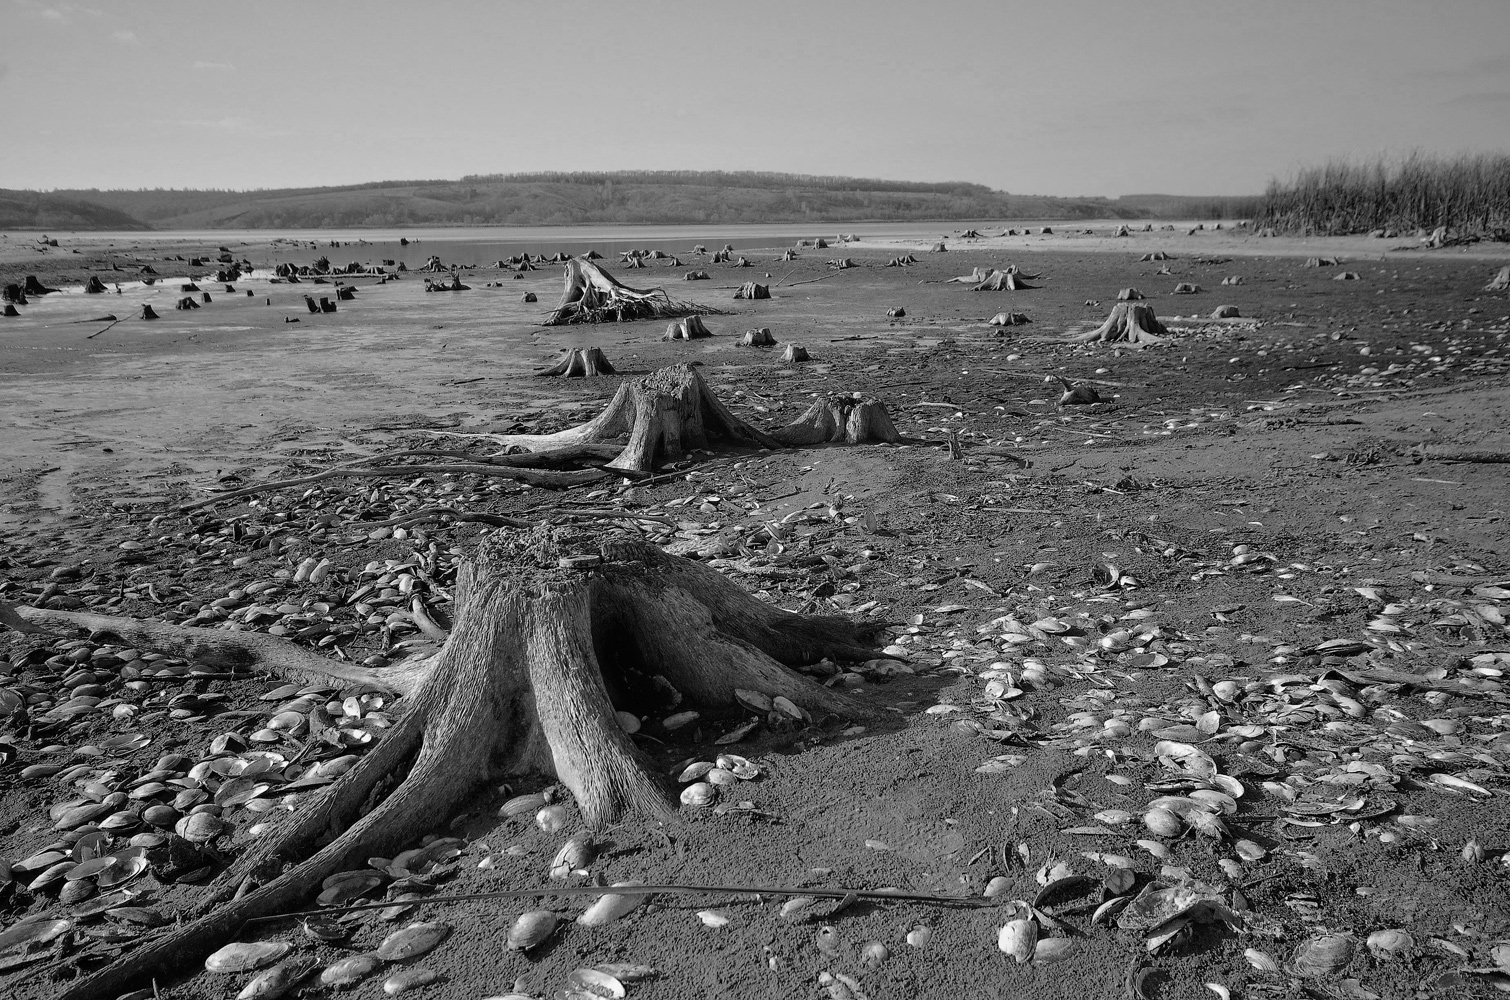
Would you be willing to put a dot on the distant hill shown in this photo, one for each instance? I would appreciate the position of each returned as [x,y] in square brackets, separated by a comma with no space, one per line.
[623,197]
[35,210]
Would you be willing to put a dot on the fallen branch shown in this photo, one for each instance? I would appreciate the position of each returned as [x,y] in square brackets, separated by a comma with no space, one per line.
[531,477]
[547,891]
[1441,454]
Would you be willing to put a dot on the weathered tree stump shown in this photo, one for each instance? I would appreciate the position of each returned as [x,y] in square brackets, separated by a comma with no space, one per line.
[1008,319]
[896,312]
[1156,255]
[556,631]
[1129,322]
[148,312]
[1075,395]
[94,286]
[840,419]
[761,337]
[1009,280]
[31,286]
[10,309]
[695,276]
[592,295]
[691,328]
[662,414]
[529,297]
[1500,282]
[794,354]
[1129,295]
[578,363]
[750,290]
[1186,288]
[13,293]
[187,303]
[1232,280]
[1225,312]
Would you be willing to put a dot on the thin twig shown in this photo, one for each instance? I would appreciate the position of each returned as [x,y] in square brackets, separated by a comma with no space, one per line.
[643,890]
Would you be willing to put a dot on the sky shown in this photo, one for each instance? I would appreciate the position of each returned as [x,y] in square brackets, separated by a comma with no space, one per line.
[1055,97]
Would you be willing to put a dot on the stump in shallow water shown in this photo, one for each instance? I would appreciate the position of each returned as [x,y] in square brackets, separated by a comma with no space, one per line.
[94,286]
[1129,322]
[578,363]
[556,631]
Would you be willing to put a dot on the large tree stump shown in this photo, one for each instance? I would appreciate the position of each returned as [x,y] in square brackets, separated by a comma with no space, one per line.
[592,295]
[1129,322]
[794,354]
[840,419]
[556,631]
[663,414]
[1500,281]
[578,363]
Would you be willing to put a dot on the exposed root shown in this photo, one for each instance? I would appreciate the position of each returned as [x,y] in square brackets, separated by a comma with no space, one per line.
[662,414]
[556,631]
[581,364]
[592,295]
[1129,322]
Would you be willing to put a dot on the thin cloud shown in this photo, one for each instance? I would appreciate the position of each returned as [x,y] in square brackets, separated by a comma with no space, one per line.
[126,37]
[218,67]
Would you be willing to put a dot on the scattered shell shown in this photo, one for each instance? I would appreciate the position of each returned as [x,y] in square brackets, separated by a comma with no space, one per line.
[1018,938]
[1054,949]
[199,828]
[552,819]
[530,929]
[408,979]
[712,918]
[611,906]
[1163,823]
[919,936]
[243,956]
[412,941]
[1323,955]
[577,853]
[350,971]
[1390,943]
[699,794]
[595,982]
[277,981]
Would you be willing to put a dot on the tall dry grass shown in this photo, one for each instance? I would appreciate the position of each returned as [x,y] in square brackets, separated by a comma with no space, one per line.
[1469,193]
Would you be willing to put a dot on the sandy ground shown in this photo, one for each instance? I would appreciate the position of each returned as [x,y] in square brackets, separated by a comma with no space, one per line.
[1281,435]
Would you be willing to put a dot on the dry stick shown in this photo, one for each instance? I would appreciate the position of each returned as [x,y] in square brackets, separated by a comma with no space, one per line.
[533,477]
[436,513]
[643,890]
[811,280]
[93,335]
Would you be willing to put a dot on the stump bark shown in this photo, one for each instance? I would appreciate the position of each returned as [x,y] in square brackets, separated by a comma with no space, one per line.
[662,414]
[1129,322]
[840,419]
[578,363]
[556,630]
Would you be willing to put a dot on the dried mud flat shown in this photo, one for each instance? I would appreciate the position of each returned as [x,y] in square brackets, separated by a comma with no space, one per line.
[1237,630]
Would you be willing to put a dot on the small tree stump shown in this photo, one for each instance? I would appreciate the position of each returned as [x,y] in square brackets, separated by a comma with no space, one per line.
[578,363]
[1186,288]
[750,290]
[1008,319]
[896,312]
[691,328]
[757,338]
[148,312]
[1129,322]
[10,309]
[1348,276]
[1232,280]
[1500,282]
[186,303]
[1156,255]
[695,276]
[1009,280]
[662,414]
[1129,295]
[840,419]
[529,297]
[1225,312]
[794,354]
[94,286]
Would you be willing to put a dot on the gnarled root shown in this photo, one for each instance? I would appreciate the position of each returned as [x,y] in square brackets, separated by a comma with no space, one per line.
[556,631]
[1129,322]
[581,364]
[663,414]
